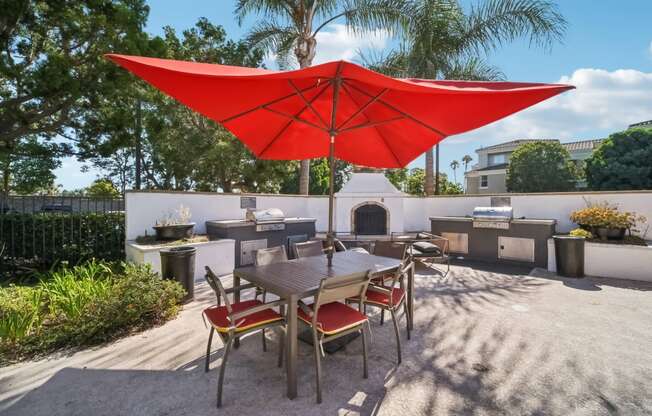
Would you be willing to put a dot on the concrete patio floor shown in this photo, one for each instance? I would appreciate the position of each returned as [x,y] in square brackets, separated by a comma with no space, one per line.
[486,342]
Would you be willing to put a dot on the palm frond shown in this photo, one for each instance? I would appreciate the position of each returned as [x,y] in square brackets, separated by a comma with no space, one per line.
[495,22]
[472,69]
[269,36]
[264,8]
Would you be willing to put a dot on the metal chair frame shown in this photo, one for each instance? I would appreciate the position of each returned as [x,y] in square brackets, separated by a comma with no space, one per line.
[398,277]
[332,290]
[229,337]
[309,249]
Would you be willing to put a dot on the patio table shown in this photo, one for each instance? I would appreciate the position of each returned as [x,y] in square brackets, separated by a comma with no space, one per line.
[297,279]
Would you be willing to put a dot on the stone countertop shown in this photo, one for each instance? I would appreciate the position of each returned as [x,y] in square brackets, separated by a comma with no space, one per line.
[165,245]
[514,221]
[245,223]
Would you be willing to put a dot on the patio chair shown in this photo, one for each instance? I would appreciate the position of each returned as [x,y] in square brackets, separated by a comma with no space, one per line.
[340,247]
[263,257]
[236,320]
[388,297]
[308,249]
[432,249]
[394,249]
[330,319]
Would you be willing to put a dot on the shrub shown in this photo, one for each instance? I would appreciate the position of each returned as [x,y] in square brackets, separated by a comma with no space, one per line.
[84,305]
[543,166]
[578,232]
[604,215]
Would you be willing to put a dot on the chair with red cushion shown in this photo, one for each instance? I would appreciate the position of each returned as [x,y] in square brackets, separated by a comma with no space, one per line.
[330,319]
[388,297]
[233,320]
[388,248]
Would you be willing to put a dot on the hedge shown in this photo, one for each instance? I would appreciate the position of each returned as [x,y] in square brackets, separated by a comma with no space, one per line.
[48,238]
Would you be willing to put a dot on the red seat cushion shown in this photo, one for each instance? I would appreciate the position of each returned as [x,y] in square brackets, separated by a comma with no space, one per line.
[218,316]
[383,298]
[334,317]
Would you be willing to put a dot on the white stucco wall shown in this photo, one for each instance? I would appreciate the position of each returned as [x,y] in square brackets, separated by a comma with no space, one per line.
[406,213]
[612,260]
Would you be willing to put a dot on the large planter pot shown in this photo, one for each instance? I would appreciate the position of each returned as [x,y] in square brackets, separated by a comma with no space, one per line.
[174,232]
[605,233]
[178,263]
[569,255]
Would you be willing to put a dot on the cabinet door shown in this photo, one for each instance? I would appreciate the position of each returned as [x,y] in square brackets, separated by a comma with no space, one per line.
[519,249]
[458,242]
[248,248]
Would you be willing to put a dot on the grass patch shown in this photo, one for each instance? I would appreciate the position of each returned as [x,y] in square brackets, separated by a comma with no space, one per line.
[82,306]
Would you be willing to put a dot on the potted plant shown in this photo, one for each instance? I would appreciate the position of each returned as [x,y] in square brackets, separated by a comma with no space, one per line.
[606,221]
[175,226]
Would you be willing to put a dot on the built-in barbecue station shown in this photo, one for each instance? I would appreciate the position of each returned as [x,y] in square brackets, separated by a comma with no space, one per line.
[261,228]
[493,234]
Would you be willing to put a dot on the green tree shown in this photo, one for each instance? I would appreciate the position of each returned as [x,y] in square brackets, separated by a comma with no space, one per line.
[622,161]
[441,40]
[289,28]
[31,164]
[542,166]
[102,188]
[52,69]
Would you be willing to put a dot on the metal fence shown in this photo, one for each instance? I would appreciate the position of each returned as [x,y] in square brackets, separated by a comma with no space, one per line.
[43,230]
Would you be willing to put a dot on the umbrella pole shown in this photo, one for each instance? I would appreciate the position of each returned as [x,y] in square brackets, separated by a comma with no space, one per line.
[331,199]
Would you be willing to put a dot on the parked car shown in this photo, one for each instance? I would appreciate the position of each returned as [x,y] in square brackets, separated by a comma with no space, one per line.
[56,208]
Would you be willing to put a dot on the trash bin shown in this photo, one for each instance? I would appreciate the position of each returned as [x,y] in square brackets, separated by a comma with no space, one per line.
[178,263]
[569,255]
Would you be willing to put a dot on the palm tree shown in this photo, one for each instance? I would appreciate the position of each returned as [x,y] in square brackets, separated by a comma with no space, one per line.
[290,27]
[454,165]
[466,160]
[440,41]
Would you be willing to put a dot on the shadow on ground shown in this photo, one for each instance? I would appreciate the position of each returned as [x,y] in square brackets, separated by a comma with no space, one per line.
[485,343]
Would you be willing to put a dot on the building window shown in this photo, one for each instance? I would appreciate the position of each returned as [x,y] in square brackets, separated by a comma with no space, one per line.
[497,159]
[484,181]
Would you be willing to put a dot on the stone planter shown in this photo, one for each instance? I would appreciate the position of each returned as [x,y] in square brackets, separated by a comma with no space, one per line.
[174,232]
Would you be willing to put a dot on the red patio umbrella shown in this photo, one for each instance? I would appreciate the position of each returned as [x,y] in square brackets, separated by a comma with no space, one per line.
[335,110]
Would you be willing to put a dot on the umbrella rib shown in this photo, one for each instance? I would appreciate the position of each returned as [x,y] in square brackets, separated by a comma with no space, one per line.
[406,115]
[364,107]
[373,123]
[307,103]
[259,107]
[382,136]
[295,118]
[271,142]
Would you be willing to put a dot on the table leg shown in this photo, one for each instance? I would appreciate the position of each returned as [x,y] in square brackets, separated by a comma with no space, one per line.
[411,297]
[236,299]
[291,347]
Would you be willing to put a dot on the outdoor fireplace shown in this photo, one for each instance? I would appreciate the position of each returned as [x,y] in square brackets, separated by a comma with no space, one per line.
[369,218]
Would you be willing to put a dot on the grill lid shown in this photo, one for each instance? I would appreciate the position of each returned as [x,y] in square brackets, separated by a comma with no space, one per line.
[493,214]
[265,215]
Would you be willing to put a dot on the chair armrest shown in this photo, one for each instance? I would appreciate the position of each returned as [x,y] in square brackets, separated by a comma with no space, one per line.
[379,289]
[241,287]
[259,308]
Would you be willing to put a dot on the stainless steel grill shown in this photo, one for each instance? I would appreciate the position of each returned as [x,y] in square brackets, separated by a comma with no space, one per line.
[492,217]
[271,219]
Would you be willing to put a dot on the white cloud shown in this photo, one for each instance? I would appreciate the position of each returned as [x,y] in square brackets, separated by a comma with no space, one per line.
[602,101]
[335,43]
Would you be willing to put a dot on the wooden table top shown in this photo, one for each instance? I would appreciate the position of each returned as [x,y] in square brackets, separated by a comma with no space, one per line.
[301,277]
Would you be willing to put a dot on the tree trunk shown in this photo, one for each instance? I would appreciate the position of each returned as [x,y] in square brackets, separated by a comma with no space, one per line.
[305,52]
[437,170]
[6,175]
[137,149]
[429,186]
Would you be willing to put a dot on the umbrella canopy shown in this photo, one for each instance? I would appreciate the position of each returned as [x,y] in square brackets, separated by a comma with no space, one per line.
[337,109]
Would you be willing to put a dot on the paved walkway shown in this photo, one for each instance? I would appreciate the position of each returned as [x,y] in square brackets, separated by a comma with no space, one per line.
[486,342]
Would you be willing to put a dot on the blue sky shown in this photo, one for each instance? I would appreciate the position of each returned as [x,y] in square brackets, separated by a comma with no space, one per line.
[606,54]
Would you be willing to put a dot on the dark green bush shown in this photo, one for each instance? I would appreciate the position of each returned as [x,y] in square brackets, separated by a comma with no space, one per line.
[47,238]
[81,306]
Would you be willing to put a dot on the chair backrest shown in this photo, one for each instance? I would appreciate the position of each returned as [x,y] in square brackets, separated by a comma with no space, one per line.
[218,288]
[393,249]
[270,255]
[332,289]
[309,249]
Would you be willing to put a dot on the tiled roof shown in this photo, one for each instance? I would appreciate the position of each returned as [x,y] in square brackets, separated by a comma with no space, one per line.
[493,167]
[513,143]
[641,124]
[582,145]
